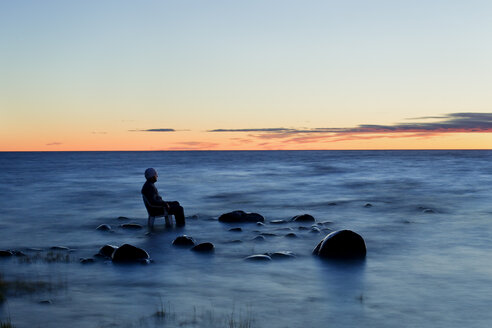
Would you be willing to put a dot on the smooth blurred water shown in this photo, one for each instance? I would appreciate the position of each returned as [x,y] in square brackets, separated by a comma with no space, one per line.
[428,234]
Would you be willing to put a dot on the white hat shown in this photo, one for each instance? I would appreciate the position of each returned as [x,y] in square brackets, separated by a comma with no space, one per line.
[150,173]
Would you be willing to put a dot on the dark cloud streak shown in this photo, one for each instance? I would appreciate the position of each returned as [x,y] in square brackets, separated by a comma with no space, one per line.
[450,123]
[153,130]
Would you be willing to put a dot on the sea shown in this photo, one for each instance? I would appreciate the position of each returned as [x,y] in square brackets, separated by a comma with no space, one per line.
[425,217]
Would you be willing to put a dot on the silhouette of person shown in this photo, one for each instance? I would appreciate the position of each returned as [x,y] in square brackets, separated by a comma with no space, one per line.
[152,195]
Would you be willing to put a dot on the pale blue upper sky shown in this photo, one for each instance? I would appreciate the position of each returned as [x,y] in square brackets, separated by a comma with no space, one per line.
[201,65]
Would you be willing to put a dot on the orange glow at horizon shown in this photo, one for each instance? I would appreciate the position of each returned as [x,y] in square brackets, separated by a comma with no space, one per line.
[155,141]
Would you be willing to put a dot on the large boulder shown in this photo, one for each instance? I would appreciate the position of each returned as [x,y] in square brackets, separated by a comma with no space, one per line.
[241,216]
[342,244]
[130,253]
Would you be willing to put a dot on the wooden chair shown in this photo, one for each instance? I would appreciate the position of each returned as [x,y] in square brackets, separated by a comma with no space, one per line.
[152,217]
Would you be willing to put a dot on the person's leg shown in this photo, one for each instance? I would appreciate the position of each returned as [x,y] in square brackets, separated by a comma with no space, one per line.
[177,210]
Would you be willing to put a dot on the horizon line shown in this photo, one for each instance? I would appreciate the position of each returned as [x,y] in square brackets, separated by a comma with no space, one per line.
[240,150]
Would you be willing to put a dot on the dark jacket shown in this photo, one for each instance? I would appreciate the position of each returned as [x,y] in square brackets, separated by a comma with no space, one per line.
[152,195]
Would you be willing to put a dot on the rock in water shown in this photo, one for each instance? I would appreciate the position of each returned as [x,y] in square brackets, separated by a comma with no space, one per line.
[342,244]
[104,227]
[281,255]
[107,250]
[5,253]
[133,226]
[129,253]
[203,247]
[258,257]
[241,216]
[303,218]
[184,240]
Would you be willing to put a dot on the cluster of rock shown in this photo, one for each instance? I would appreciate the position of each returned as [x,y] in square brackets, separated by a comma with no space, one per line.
[125,253]
[187,241]
[342,244]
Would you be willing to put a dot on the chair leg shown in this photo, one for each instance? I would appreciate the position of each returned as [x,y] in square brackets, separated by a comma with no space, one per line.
[150,222]
[168,221]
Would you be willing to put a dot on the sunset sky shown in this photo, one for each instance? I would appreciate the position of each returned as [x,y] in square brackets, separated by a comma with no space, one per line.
[255,74]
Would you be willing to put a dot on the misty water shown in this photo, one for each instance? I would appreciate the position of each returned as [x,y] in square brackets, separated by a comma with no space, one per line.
[428,233]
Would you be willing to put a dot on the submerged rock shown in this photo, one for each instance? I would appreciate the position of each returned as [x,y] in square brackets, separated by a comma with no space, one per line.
[268,234]
[368,205]
[240,217]
[60,248]
[342,244]
[123,218]
[129,253]
[236,229]
[87,260]
[281,255]
[184,240]
[259,238]
[258,257]
[303,218]
[132,226]
[104,227]
[291,235]
[203,247]
[4,253]
[107,250]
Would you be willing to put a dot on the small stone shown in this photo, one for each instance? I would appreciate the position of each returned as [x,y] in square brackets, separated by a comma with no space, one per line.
[123,218]
[87,260]
[18,253]
[281,255]
[303,218]
[46,302]
[260,224]
[332,204]
[241,216]
[291,235]
[368,205]
[184,240]
[278,221]
[315,230]
[235,241]
[203,247]
[259,238]
[60,248]
[5,253]
[107,250]
[428,211]
[236,229]
[267,234]
[131,226]
[104,227]
[258,257]
[303,228]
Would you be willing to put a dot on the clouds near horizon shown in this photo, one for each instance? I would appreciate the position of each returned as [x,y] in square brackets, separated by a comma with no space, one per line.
[466,122]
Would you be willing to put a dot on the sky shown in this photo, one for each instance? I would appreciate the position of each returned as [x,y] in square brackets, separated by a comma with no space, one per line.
[240,75]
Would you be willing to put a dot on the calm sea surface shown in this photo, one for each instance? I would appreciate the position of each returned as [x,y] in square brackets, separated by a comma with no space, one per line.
[428,235]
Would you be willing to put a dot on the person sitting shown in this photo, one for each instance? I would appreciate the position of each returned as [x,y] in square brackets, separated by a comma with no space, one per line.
[149,191]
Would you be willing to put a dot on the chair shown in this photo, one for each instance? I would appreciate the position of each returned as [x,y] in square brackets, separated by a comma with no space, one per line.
[152,217]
